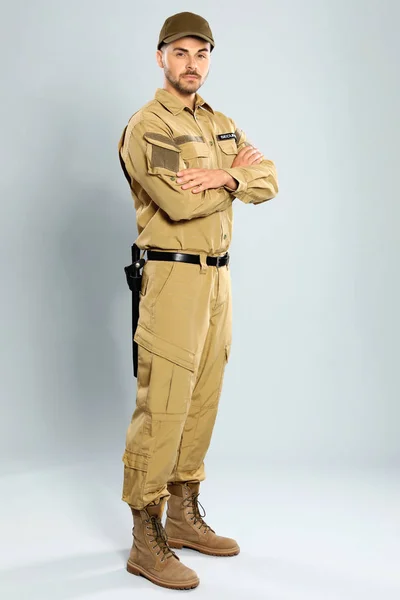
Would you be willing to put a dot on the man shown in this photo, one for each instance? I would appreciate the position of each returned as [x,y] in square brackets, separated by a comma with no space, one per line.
[185,164]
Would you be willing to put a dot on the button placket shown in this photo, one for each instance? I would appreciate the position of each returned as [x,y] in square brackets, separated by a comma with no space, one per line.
[205,137]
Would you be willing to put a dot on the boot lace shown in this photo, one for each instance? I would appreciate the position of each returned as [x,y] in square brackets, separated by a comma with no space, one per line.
[193,502]
[159,537]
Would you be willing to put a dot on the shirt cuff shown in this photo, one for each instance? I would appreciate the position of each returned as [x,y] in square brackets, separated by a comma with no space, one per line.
[242,185]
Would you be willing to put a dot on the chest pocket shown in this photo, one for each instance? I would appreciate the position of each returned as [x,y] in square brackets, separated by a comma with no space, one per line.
[228,152]
[195,155]
[163,154]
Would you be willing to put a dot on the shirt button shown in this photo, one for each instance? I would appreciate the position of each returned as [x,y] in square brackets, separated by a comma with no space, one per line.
[172,178]
[211,143]
[225,237]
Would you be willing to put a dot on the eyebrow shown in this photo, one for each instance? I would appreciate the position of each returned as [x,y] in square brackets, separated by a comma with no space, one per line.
[186,50]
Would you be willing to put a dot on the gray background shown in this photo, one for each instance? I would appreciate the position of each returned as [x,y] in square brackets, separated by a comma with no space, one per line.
[313,376]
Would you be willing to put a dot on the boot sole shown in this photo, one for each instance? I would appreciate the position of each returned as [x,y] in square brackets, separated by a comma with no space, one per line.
[137,570]
[179,544]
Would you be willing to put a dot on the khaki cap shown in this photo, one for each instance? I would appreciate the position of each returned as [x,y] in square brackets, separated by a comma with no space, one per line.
[185,24]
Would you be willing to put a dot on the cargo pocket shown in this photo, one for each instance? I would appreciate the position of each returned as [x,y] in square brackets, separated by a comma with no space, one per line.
[170,390]
[228,152]
[195,155]
[135,461]
[164,348]
[163,154]
[138,450]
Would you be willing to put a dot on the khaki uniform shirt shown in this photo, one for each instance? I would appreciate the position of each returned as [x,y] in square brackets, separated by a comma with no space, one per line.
[165,137]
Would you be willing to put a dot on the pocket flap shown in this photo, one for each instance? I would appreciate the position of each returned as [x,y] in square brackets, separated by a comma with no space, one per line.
[228,146]
[162,141]
[194,149]
[157,345]
[163,154]
[133,460]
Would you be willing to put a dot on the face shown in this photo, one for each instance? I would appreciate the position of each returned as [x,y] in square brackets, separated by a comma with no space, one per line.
[186,63]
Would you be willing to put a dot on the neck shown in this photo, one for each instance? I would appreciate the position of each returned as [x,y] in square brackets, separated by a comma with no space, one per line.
[188,100]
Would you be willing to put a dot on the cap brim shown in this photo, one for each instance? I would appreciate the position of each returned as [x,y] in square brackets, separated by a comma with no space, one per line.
[178,36]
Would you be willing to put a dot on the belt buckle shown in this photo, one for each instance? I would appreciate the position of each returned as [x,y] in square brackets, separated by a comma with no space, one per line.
[222,259]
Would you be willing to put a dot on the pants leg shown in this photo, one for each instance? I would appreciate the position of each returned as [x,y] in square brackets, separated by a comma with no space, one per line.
[154,434]
[203,409]
[183,336]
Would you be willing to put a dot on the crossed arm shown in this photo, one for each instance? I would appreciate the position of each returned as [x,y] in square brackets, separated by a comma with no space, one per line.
[199,180]
[193,193]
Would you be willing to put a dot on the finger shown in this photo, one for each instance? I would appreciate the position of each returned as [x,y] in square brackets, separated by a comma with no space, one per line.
[242,153]
[191,184]
[257,157]
[200,188]
[246,150]
[184,179]
[254,152]
[186,176]
[190,173]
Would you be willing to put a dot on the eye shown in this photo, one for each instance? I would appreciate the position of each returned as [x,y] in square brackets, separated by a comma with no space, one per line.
[202,56]
[180,54]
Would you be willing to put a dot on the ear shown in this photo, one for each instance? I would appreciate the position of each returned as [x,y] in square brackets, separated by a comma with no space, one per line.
[159,57]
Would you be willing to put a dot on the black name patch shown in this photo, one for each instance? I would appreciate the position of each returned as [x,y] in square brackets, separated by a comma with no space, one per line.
[226,136]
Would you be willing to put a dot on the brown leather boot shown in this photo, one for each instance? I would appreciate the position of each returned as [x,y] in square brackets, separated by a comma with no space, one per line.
[151,556]
[185,526]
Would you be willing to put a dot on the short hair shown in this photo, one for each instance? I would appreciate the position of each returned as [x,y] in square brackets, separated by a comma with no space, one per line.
[164,45]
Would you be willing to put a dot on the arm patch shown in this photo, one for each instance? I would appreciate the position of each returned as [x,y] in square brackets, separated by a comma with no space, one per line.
[165,152]
[162,157]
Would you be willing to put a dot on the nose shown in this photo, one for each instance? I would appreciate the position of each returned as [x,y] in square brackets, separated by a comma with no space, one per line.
[191,64]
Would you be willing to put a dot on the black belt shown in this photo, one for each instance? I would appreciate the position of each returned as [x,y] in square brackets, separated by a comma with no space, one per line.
[193,259]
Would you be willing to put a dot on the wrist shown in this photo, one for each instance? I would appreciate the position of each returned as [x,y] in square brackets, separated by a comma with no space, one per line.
[230,182]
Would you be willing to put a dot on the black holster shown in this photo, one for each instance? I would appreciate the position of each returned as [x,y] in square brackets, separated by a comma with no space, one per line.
[134,279]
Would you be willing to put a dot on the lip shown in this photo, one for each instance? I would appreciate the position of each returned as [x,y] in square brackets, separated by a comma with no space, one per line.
[190,77]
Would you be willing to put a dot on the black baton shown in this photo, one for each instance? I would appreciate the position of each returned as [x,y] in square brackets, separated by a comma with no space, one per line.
[134,279]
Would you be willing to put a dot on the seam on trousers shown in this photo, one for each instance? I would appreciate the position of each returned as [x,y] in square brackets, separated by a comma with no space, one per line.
[178,455]
[149,379]
[146,422]
[156,299]
[215,405]
[154,452]
[144,477]
[137,453]
[170,387]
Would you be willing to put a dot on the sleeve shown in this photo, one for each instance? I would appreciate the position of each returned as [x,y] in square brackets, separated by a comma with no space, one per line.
[256,183]
[152,159]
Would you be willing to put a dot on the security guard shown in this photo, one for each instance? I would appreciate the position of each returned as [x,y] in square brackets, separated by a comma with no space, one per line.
[185,164]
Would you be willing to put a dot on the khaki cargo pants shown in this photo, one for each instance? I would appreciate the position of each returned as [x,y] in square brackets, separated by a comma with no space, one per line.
[184,337]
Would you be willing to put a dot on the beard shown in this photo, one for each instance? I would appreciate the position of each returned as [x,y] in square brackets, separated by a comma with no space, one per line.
[184,86]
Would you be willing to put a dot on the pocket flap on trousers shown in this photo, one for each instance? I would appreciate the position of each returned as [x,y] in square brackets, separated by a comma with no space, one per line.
[135,461]
[153,343]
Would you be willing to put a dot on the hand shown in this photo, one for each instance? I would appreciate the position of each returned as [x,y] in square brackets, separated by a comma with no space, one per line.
[202,179]
[248,156]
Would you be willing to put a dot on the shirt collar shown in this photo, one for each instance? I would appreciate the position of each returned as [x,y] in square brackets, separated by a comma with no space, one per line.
[175,105]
